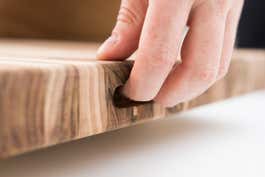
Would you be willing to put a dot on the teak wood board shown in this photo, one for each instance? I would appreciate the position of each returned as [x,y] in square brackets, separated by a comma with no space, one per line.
[54,92]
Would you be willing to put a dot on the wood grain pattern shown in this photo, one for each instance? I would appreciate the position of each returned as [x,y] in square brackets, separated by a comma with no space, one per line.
[54,92]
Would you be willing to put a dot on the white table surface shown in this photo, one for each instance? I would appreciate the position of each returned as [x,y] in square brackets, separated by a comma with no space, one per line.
[218,140]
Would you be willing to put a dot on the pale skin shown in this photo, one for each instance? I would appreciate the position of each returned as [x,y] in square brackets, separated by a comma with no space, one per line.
[155,28]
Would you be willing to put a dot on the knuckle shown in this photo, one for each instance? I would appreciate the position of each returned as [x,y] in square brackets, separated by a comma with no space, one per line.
[162,57]
[206,75]
[218,8]
[127,15]
[162,62]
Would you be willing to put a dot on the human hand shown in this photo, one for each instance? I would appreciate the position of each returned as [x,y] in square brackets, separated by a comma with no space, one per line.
[154,28]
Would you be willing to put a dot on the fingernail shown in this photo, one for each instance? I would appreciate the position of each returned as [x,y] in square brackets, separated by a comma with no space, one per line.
[107,45]
[122,101]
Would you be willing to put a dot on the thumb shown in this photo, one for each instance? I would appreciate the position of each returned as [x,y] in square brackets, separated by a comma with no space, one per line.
[126,33]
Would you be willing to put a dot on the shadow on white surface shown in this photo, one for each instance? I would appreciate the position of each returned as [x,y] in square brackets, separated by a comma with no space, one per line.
[92,152]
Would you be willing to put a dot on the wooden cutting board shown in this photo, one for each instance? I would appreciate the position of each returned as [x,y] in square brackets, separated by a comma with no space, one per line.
[54,92]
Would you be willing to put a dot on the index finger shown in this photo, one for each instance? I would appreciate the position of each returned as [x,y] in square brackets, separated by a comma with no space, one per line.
[158,48]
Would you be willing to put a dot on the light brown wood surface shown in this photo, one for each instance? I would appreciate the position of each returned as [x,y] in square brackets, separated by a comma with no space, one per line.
[54,92]
[90,20]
